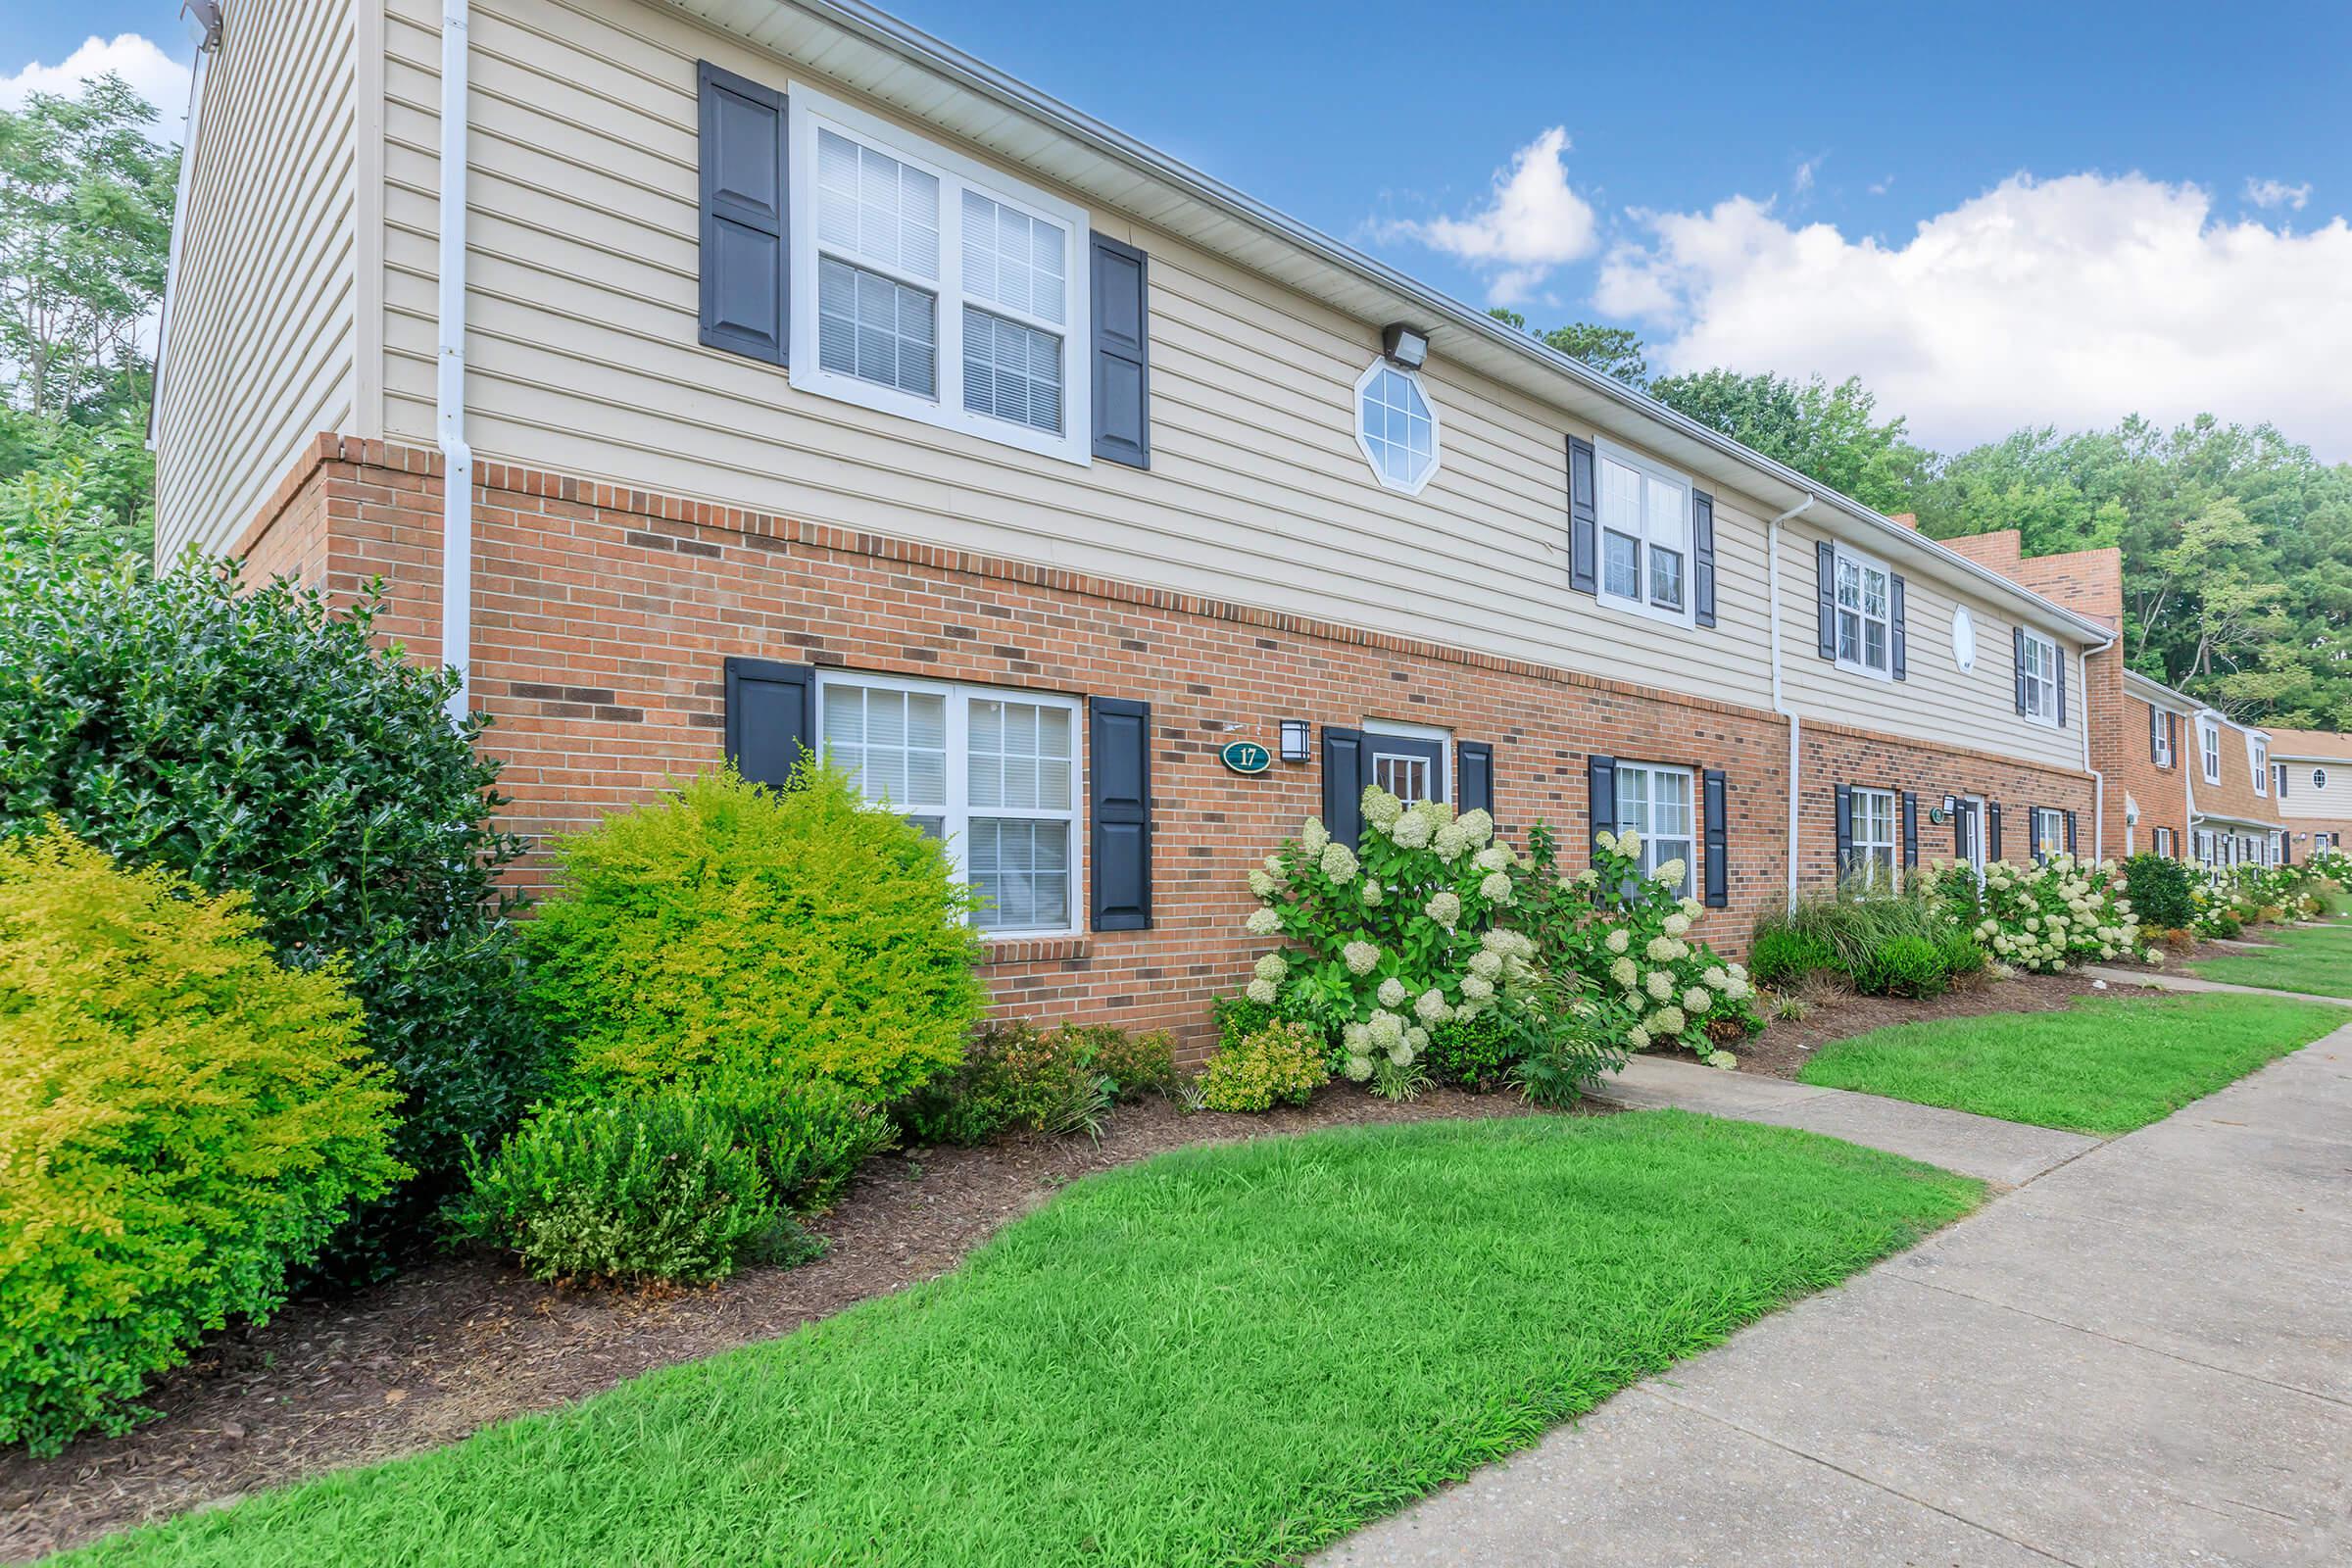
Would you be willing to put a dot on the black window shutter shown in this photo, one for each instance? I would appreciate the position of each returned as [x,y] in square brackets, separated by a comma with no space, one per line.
[1899,631]
[1992,832]
[1343,783]
[2171,731]
[2278,773]
[1719,855]
[1910,828]
[2070,832]
[771,715]
[745,260]
[1960,832]
[1845,830]
[2033,832]
[2017,644]
[1584,518]
[1474,769]
[1702,558]
[1119,771]
[1600,779]
[1825,564]
[2061,655]
[1122,390]
[2153,748]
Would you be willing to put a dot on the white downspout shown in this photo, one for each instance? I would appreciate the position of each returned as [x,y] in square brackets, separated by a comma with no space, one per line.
[448,384]
[1780,701]
[2098,780]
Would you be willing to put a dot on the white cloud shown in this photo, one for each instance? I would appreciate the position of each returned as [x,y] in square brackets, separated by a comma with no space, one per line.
[152,74]
[2071,301]
[2277,193]
[1533,223]
[1803,178]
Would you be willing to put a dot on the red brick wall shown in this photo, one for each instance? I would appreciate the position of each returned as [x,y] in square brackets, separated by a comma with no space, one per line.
[603,617]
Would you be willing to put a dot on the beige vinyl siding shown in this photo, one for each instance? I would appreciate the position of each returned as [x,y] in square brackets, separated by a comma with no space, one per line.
[261,356]
[2302,803]
[582,358]
[1935,700]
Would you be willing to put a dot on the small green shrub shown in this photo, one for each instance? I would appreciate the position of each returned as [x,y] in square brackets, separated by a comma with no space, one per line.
[182,1120]
[1280,1065]
[2160,890]
[1905,964]
[1237,1018]
[757,939]
[1962,955]
[1479,1052]
[1571,1053]
[809,1141]
[1780,954]
[1016,1075]
[662,1187]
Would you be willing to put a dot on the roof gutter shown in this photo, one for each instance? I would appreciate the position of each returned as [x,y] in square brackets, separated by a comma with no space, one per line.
[891,33]
[449,383]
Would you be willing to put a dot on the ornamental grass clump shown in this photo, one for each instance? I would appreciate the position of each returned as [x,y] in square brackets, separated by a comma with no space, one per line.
[1394,938]
[2043,918]
[183,1120]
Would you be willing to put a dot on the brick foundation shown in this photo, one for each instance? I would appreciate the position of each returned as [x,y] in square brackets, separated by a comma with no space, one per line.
[602,617]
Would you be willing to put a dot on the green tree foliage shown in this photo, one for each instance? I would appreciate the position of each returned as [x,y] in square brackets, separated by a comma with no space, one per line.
[1832,433]
[85,220]
[1611,350]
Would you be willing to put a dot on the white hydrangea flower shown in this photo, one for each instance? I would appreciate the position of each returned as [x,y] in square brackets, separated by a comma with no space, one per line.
[1588,878]
[1691,908]
[1313,835]
[1696,999]
[1629,844]
[1338,862]
[1380,808]
[1260,885]
[1416,1037]
[1262,923]
[1358,1069]
[1486,963]
[1721,1058]
[1668,1021]
[1660,950]
[1478,988]
[1451,841]
[1445,907]
[1494,858]
[1387,1028]
[1400,1052]
[1638,1037]
[1412,831]
[1618,939]
[1737,989]
[1739,971]
[1273,966]
[1496,887]
[1605,839]
[1677,923]
[1658,983]
[1358,1037]
[1372,893]
[1716,978]
[1430,1007]
[1671,872]
[1625,974]
[1361,957]
[1260,992]
[1392,993]
[1478,823]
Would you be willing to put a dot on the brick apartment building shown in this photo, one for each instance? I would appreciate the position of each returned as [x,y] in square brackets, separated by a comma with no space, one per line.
[706,385]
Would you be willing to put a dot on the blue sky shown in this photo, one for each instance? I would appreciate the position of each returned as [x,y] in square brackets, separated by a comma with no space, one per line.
[1746,184]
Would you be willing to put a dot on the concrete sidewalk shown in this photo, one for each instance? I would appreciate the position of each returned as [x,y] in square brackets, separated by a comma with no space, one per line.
[2141,1357]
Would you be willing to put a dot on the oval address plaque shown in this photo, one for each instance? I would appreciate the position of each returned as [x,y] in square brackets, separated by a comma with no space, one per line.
[1246,757]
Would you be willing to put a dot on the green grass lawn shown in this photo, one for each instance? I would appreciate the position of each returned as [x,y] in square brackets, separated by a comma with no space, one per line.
[1224,1356]
[2106,1064]
[2317,962]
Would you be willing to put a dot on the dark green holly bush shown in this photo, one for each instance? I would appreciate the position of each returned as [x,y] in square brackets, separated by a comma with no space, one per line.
[255,739]
[1017,1076]
[1479,1053]
[2160,890]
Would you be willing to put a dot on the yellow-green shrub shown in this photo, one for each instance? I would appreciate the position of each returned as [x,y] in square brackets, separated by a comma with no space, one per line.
[181,1119]
[1281,1063]
[755,938]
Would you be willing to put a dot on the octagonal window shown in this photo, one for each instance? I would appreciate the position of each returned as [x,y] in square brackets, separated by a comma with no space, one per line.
[1395,427]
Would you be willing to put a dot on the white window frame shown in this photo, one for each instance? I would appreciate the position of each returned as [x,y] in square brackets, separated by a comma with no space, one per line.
[2258,755]
[2041,709]
[2209,749]
[1650,858]
[2163,845]
[1866,847]
[2319,781]
[1437,426]
[2056,819]
[810,110]
[1442,738]
[2164,738]
[1840,558]
[2206,847]
[1605,451]
[957,812]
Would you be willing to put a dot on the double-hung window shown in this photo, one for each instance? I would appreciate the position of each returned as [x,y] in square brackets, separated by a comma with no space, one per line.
[1655,802]
[2164,842]
[1871,829]
[2161,730]
[933,287]
[2049,832]
[2039,677]
[1863,598]
[1645,537]
[2259,757]
[993,773]
[2208,747]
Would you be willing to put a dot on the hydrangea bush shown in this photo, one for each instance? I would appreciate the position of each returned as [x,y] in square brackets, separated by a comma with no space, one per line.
[2043,918]
[1398,938]
[1647,982]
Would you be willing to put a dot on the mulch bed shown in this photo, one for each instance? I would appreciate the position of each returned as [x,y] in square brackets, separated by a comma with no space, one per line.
[463,1342]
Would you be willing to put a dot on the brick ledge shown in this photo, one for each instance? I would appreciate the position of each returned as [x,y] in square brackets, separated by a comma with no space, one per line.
[1035,950]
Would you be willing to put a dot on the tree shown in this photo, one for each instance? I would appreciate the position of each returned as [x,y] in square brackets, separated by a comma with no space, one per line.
[1611,350]
[1829,433]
